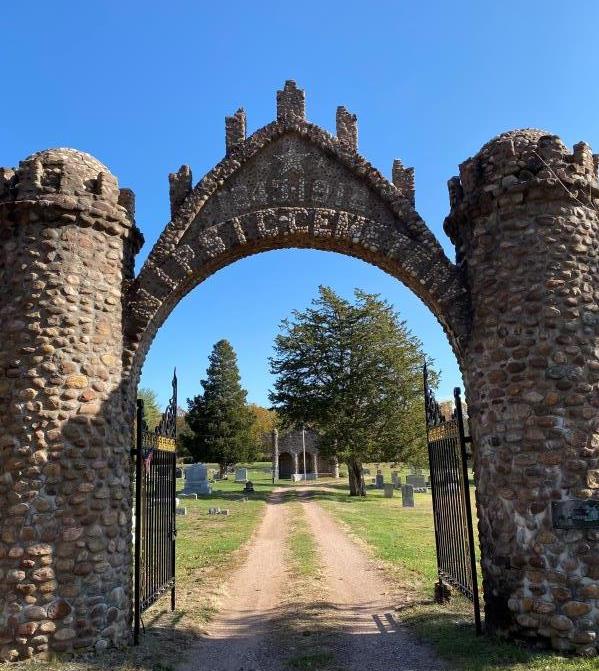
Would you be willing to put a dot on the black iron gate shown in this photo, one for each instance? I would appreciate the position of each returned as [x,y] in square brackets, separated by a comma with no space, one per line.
[155,513]
[456,561]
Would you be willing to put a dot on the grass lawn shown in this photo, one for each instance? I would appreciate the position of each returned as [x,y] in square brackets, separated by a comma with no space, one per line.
[403,540]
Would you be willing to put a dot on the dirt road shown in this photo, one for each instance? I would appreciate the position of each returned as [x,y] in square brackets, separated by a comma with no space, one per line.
[361,604]
[240,637]
[346,618]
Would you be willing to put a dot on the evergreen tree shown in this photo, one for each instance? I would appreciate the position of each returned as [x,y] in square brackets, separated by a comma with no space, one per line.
[219,418]
[353,371]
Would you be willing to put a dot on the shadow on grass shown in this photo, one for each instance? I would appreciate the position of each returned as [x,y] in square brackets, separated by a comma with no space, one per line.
[450,629]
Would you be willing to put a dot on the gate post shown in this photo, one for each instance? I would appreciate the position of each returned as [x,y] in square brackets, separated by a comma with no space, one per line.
[525,224]
[67,242]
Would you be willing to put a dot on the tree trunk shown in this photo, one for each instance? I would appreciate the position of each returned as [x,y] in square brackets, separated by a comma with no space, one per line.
[222,471]
[356,478]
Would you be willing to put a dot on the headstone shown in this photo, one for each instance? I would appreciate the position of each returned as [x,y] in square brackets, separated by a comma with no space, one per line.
[415,480]
[388,490]
[241,475]
[181,511]
[196,480]
[407,496]
[249,487]
[396,480]
[380,481]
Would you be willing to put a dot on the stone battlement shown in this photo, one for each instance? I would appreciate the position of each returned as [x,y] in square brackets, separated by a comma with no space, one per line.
[519,162]
[71,180]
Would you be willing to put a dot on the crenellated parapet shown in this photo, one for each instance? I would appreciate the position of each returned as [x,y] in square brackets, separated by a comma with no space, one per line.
[518,166]
[324,193]
[65,183]
[403,179]
[291,102]
[235,129]
[347,129]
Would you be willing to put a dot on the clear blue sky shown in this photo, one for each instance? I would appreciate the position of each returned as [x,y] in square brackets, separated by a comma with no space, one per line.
[145,86]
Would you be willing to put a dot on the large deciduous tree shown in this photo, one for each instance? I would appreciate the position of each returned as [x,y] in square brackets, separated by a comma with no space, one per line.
[152,411]
[353,371]
[264,421]
[219,418]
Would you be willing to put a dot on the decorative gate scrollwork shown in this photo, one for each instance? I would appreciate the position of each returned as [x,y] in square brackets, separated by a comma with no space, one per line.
[456,561]
[155,509]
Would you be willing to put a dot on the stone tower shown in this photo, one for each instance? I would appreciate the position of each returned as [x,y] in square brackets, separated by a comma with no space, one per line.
[525,224]
[67,243]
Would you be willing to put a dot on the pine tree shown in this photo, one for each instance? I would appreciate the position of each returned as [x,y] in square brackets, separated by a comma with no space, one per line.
[353,371]
[219,418]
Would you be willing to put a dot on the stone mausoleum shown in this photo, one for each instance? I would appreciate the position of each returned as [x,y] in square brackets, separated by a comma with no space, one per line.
[519,304]
[288,456]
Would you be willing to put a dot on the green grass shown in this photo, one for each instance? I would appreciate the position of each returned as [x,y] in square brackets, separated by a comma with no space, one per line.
[403,538]
[302,550]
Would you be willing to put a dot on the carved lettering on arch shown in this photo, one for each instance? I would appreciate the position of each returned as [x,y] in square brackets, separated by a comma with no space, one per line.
[210,242]
[184,255]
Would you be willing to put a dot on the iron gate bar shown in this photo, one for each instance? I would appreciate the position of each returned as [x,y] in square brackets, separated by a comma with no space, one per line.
[155,510]
[452,512]
[460,418]
[138,521]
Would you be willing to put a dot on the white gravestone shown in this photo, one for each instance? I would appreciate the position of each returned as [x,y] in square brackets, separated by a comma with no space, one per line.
[196,480]
[241,475]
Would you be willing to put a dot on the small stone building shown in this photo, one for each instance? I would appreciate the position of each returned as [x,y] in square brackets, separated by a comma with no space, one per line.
[288,456]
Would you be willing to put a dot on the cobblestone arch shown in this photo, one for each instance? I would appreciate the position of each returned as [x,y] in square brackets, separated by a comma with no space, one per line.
[520,308]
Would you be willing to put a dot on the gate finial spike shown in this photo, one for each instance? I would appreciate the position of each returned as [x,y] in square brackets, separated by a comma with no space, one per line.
[291,102]
[235,129]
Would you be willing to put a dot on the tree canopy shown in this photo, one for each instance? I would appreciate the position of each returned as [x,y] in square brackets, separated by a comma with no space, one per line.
[152,411]
[353,371]
[219,418]
[264,421]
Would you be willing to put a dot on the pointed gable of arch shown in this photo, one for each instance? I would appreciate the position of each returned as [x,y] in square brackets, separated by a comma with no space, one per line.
[292,184]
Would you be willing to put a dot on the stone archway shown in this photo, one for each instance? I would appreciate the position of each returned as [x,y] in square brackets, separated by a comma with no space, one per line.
[520,308]
[291,184]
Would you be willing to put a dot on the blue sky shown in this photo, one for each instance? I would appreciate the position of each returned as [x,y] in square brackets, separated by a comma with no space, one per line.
[145,86]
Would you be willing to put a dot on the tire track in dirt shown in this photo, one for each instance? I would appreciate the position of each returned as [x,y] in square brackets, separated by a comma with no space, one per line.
[360,605]
[240,637]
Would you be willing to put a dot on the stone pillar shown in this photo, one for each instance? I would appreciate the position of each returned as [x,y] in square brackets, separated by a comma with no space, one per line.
[335,467]
[275,453]
[66,250]
[295,463]
[525,223]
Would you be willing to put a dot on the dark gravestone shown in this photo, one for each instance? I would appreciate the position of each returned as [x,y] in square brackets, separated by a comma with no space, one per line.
[407,496]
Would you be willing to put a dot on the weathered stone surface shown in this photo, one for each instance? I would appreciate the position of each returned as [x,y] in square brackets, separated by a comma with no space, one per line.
[66,252]
[525,223]
[520,308]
